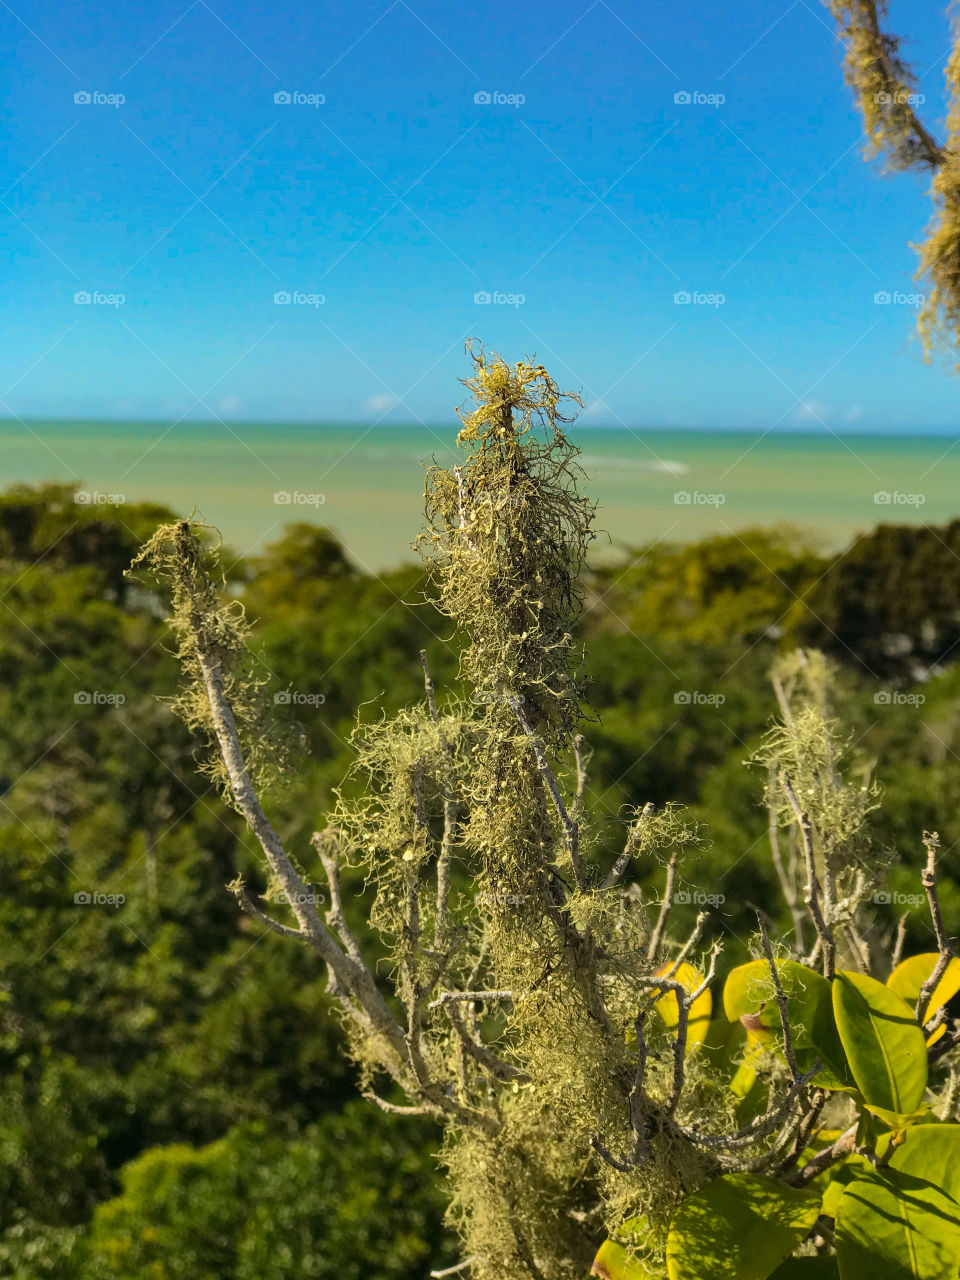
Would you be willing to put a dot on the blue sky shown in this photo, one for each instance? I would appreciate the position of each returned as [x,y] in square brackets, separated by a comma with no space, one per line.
[596,199]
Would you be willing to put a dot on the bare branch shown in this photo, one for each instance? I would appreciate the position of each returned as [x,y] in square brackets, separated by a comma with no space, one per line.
[656,937]
[570,827]
[452,1271]
[248,906]
[582,759]
[898,942]
[812,891]
[480,1052]
[760,1127]
[788,1049]
[929,880]
[448,997]
[618,869]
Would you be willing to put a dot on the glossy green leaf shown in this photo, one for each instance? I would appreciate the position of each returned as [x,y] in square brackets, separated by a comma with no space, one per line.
[932,1152]
[807,1269]
[897,1227]
[883,1042]
[738,1227]
[749,996]
[910,975]
[614,1263]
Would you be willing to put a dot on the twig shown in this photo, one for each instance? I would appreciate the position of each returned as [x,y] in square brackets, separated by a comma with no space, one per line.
[582,760]
[899,940]
[843,1146]
[629,849]
[248,906]
[690,943]
[760,1127]
[788,1049]
[929,880]
[570,827]
[812,891]
[452,1271]
[656,937]
[480,1052]
[787,882]
[448,997]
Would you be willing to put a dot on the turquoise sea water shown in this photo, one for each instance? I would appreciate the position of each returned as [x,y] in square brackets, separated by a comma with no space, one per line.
[367,483]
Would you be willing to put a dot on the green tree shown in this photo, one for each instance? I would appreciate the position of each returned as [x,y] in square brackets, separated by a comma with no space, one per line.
[558,1025]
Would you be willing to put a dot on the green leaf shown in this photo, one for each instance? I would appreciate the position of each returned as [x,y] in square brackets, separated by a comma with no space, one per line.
[749,995]
[614,1263]
[910,975]
[897,1227]
[932,1152]
[807,1269]
[738,1227]
[883,1042]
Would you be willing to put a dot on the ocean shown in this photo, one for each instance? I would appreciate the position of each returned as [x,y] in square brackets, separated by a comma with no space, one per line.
[367,483]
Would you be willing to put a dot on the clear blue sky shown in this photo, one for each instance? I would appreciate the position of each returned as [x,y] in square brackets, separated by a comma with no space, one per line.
[399,198]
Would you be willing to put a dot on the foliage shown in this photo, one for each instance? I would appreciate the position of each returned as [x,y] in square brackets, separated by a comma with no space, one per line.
[553,1020]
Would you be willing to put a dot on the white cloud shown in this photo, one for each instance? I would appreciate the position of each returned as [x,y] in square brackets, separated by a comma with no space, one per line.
[381,403]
